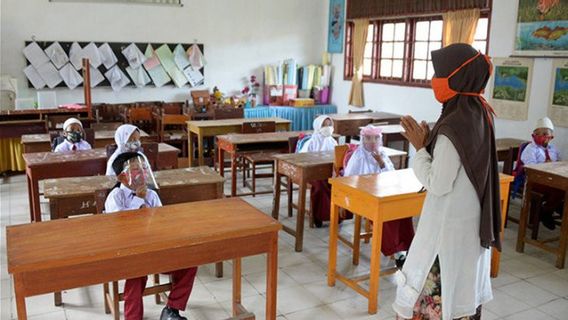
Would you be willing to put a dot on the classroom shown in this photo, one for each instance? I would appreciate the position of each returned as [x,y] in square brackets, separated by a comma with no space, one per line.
[271,159]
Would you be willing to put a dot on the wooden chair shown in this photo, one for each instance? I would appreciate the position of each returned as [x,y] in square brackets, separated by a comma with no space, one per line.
[360,111]
[106,112]
[112,300]
[143,118]
[253,159]
[173,130]
[150,151]
[201,100]
[105,126]
[228,113]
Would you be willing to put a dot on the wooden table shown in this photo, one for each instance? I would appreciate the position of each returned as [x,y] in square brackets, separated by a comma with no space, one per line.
[347,124]
[554,175]
[70,253]
[243,142]
[301,168]
[381,197]
[507,151]
[210,128]
[49,165]
[42,143]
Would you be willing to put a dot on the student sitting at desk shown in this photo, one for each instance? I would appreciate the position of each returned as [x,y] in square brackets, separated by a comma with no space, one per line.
[133,174]
[369,158]
[74,135]
[320,192]
[540,150]
[127,139]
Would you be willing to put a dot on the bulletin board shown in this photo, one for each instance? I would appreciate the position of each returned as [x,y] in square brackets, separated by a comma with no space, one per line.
[117,48]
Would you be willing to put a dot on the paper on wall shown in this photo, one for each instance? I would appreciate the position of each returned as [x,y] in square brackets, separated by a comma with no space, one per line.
[117,78]
[180,57]
[194,77]
[96,77]
[49,74]
[76,55]
[57,55]
[154,68]
[196,58]
[134,56]
[178,77]
[34,77]
[138,76]
[166,58]
[35,55]
[91,52]
[108,58]
[70,76]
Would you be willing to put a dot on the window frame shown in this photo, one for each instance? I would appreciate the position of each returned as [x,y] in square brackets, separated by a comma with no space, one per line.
[409,41]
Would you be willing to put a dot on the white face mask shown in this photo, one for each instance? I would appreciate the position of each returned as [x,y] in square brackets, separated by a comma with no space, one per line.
[326,131]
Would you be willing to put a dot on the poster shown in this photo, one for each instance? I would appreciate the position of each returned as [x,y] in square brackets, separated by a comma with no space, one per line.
[336,26]
[511,87]
[542,28]
[558,110]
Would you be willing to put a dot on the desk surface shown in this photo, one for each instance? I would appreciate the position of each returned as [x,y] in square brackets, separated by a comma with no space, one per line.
[391,128]
[252,138]
[99,135]
[504,144]
[307,159]
[40,158]
[68,242]
[232,122]
[397,183]
[76,186]
[558,168]
[365,115]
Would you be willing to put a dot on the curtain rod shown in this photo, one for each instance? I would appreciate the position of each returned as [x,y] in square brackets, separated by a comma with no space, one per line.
[423,15]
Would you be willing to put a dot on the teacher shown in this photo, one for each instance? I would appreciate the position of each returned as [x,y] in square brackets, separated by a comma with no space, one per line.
[446,273]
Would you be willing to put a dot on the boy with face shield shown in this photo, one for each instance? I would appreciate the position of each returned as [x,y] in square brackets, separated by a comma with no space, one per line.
[370,158]
[74,135]
[134,175]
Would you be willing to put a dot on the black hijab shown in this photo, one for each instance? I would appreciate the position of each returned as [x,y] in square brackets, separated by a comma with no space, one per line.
[469,127]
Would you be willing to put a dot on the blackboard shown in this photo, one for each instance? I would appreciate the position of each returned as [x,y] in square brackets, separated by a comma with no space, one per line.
[117,48]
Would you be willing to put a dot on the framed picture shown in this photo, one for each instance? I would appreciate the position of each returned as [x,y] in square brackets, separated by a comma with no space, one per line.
[558,110]
[511,87]
[542,28]
[336,26]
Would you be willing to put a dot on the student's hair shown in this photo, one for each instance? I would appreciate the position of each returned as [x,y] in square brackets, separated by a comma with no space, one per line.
[118,163]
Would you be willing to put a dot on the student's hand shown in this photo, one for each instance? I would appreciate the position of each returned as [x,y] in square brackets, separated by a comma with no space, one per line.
[141,192]
[416,134]
[379,159]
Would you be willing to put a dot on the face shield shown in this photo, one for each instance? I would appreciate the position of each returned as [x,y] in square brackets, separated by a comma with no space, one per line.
[138,173]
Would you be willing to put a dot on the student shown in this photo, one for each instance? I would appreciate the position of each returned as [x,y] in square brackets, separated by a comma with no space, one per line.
[540,150]
[133,171]
[321,139]
[74,135]
[370,158]
[127,138]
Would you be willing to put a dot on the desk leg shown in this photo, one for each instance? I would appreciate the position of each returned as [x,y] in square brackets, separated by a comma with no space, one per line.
[276,200]
[333,232]
[35,200]
[271,278]
[301,216]
[290,190]
[356,238]
[200,149]
[375,265]
[30,196]
[236,286]
[219,269]
[190,148]
[563,236]
[20,298]
[524,216]
[234,174]
[57,299]
[221,159]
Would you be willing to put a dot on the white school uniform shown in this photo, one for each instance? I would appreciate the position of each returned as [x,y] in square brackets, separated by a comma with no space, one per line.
[535,153]
[123,198]
[362,162]
[67,145]
[319,142]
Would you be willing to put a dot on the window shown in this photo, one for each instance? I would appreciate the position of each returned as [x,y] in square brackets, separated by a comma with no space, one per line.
[398,51]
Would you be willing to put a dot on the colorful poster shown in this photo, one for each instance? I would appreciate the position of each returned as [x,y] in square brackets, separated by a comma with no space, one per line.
[558,110]
[542,28]
[511,87]
[336,26]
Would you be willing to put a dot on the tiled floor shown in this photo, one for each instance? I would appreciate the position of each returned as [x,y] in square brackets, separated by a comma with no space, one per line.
[529,286]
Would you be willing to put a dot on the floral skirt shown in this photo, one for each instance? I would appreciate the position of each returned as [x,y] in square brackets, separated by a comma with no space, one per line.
[429,304]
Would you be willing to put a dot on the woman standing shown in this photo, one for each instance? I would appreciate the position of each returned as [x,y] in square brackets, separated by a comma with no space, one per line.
[446,273]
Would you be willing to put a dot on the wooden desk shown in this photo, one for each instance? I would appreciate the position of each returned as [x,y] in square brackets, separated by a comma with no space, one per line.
[301,168]
[210,128]
[389,196]
[242,142]
[40,114]
[42,143]
[507,151]
[347,124]
[555,175]
[70,253]
[83,163]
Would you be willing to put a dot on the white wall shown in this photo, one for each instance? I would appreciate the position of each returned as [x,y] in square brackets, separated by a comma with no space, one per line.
[239,37]
[420,102]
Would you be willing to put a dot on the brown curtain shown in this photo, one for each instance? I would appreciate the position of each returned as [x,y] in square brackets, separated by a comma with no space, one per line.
[359,38]
[357,9]
[459,26]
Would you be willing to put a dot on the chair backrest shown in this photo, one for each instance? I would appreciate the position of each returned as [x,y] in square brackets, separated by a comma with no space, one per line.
[519,172]
[140,114]
[150,150]
[258,127]
[174,119]
[173,107]
[338,158]
[105,126]
[100,199]
[228,113]
[292,144]
[200,98]
[360,111]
